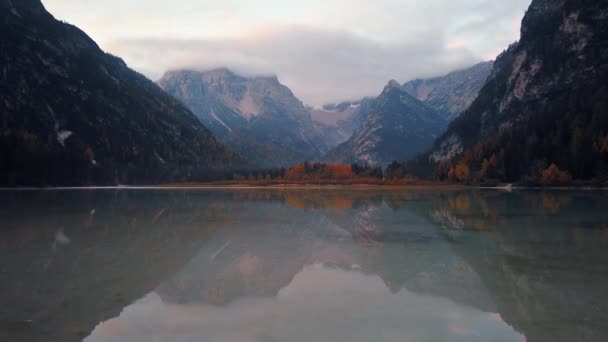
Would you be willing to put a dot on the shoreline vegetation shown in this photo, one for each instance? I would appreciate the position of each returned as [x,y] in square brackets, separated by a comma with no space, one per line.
[395,175]
[309,186]
[427,185]
[339,176]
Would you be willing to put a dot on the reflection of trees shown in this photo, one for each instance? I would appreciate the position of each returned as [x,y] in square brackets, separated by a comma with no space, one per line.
[552,203]
[260,260]
[503,252]
[329,198]
[460,210]
[544,262]
[540,255]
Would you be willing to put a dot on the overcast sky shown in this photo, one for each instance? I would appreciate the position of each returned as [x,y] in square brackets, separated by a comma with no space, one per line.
[324,50]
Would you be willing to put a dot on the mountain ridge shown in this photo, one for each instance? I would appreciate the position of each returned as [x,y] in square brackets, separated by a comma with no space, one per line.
[452,93]
[257,116]
[75,115]
[445,96]
[541,116]
[398,127]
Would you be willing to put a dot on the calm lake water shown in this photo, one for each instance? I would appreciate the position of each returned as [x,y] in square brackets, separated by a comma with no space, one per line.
[303,265]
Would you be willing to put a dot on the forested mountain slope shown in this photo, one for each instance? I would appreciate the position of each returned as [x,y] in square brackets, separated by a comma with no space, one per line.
[74,115]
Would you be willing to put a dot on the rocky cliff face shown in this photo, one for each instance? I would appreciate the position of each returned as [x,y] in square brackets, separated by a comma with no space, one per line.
[338,122]
[546,99]
[397,128]
[451,94]
[258,116]
[74,115]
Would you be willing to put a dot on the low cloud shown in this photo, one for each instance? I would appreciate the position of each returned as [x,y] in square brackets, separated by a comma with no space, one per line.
[326,51]
[319,66]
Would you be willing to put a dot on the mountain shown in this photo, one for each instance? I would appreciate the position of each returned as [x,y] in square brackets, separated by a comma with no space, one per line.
[398,127]
[451,94]
[74,115]
[256,116]
[544,104]
[339,121]
[359,134]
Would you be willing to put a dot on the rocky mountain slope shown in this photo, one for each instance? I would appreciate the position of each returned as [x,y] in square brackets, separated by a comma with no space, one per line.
[339,121]
[256,116]
[397,128]
[74,115]
[451,94]
[546,102]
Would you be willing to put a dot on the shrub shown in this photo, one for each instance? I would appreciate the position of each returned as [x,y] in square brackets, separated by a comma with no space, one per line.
[554,176]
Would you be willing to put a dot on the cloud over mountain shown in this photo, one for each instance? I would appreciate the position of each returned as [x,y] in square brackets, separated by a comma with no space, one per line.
[325,51]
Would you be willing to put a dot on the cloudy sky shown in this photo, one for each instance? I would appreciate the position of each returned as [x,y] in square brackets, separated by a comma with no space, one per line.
[324,50]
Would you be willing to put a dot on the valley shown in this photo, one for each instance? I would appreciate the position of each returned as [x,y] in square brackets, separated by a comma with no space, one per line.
[76,115]
[265,171]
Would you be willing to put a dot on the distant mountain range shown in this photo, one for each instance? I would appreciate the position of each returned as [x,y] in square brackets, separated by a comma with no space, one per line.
[451,94]
[263,120]
[406,119]
[546,102]
[397,128]
[340,121]
[74,115]
[258,116]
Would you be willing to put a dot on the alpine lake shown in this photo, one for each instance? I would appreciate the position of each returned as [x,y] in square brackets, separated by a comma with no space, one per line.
[314,264]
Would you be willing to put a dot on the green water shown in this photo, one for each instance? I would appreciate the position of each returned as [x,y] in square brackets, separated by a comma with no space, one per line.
[303,265]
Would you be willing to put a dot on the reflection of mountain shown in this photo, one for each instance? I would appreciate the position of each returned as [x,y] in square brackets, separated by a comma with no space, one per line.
[359,230]
[73,259]
[548,274]
[245,259]
[528,256]
[321,303]
[537,259]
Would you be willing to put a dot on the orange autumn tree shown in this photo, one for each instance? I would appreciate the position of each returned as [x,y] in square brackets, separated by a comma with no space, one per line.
[602,144]
[488,167]
[554,176]
[462,172]
[296,172]
[314,172]
[89,154]
[339,171]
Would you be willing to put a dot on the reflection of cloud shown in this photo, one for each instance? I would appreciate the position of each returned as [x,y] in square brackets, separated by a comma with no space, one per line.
[320,304]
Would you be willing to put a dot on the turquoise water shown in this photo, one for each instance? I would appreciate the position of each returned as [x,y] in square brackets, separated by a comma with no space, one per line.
[303,265]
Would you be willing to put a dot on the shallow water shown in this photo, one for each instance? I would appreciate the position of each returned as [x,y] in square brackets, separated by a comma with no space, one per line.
[303,265]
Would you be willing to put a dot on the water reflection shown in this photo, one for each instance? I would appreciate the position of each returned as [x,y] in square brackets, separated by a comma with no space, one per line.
[321,303]
[289,265]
